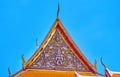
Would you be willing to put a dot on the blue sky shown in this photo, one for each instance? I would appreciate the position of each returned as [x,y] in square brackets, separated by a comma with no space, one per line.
[94,25]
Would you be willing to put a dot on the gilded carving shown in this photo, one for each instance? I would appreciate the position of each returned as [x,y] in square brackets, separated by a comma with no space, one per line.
[58,56]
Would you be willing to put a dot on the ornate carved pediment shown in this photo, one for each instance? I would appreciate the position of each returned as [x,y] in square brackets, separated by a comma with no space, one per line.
[58,56]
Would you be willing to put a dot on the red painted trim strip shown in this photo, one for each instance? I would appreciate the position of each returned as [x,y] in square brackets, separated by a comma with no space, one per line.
[73,47]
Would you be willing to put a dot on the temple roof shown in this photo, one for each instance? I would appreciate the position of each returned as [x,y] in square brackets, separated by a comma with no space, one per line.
[49,55]
[53,73]
[63,33]
[113,73]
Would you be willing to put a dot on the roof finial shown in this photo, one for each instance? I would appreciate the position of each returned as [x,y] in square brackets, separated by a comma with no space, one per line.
[36,42]
[58,10]
[103,63]
[95,65]
[23,62]
[9,72]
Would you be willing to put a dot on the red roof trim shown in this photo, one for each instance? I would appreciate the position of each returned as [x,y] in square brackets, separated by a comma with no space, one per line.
[107,74]
[73,47]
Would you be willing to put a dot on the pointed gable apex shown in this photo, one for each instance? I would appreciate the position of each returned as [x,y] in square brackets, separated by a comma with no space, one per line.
[59,27]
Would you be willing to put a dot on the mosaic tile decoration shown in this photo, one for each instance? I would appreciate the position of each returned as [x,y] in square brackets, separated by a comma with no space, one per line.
[58,56]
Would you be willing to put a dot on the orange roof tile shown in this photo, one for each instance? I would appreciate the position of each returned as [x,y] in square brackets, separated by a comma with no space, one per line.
[116,75]
[44,73]
[86,74]
[38,73]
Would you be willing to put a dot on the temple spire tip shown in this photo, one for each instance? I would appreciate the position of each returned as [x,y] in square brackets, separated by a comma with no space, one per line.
[58,10]
[103,63]
[9,72]
[95,65]
[23,62]
[37,42]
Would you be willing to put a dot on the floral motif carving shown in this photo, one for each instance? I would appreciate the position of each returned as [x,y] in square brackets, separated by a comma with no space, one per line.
[58,56]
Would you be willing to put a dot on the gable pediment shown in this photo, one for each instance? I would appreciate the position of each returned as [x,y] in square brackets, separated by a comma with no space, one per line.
[58,56]
[58,52]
